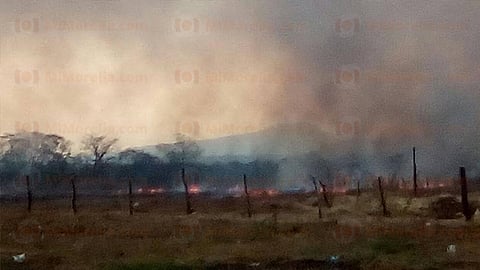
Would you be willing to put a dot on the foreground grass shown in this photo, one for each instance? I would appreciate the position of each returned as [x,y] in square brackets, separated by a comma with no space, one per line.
[394,252]
[103,237]
[386,252]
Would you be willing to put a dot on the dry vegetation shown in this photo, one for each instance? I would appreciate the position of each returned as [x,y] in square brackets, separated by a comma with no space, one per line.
[159,236]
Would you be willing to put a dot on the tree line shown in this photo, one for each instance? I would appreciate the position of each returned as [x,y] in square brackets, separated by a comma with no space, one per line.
[48,160]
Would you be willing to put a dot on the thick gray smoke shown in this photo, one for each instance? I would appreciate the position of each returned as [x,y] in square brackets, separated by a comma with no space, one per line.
[370,79]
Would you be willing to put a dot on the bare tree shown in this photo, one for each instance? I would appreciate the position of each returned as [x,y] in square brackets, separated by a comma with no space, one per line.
[99,146]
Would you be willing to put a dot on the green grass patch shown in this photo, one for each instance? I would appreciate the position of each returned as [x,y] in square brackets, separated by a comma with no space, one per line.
[391,252]
[389,245]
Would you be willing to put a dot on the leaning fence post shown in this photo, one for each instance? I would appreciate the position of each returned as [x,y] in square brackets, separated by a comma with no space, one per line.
[249,210]
[325,197]
[318,197]
[187,195]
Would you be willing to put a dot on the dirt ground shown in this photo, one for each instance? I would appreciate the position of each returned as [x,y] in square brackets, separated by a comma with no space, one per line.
[284,233]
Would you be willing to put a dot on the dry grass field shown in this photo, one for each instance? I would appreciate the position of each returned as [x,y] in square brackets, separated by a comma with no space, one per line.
[284,233]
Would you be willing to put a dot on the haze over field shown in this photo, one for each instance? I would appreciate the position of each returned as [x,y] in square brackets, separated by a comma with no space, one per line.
[370,77]
[239,134]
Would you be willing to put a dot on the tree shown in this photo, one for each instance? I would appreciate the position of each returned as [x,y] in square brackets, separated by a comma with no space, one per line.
[33,149]
[34,154]
[99,146]
[134,164]
[185,151]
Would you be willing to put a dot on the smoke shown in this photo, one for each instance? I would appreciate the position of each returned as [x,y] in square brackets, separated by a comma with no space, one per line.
[380,77]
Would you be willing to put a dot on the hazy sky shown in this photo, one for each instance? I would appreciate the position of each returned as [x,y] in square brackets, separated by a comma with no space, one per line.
[142,71]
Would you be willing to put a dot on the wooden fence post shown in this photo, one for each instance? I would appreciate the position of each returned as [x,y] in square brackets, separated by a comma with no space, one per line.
[325,197]
[318,197]
[130,198]
[358,188]
[187,195]
[249,210]
[414,173]
[29,193]
[386,213]
[74,196]
[466,207]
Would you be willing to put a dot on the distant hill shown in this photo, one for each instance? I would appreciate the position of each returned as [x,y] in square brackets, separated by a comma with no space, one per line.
[272,143]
